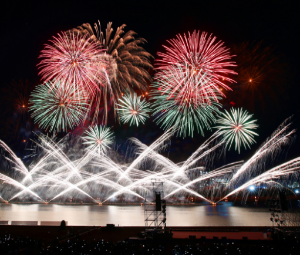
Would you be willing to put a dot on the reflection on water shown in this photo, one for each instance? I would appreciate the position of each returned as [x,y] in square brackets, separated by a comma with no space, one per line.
[95,215]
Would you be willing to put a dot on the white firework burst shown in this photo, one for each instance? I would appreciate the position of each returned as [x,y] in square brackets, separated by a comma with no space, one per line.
[98,138]
[132,109]
[237,127]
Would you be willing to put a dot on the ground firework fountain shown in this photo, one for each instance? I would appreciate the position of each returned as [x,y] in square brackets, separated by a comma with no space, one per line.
[68,170]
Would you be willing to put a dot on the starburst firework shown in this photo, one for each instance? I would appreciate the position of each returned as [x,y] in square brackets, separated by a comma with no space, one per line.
[132,60]
[236,126]
[57,107]
[98,138]
[132,109]
[194,67]
[73,59]
[185,116]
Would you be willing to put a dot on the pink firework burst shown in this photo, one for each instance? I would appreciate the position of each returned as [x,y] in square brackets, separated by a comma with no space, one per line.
[73,59]
[194,69]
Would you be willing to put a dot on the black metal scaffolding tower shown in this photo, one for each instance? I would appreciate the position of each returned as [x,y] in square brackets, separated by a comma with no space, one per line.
[155,206]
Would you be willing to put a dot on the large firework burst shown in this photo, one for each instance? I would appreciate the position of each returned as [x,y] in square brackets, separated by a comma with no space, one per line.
[74,59]
[133,62]
[98,138]
[58,107]
[195,67]
[237,127]
[132,109]
[185,116]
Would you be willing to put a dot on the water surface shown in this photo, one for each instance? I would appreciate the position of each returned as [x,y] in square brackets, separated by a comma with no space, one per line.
[133,215]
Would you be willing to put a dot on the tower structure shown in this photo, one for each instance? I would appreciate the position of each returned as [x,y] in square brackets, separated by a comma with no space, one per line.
[155,206]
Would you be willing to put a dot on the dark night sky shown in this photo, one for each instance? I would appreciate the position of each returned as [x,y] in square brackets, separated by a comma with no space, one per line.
[27,25]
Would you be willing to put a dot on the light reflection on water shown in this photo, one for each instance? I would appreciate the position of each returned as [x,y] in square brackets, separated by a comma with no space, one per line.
[130,215]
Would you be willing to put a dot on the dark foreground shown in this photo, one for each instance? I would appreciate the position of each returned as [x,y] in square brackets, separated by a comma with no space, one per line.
[128,240]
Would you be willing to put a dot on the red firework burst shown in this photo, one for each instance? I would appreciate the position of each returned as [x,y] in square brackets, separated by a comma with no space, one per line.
[194,69]
[73,59]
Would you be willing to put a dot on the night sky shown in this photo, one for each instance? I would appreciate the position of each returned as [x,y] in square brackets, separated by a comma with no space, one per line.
[27,25]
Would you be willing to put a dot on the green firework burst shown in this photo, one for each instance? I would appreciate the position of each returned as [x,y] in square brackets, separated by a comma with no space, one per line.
[182,113]
[236,127]
[132,109]
[58,107]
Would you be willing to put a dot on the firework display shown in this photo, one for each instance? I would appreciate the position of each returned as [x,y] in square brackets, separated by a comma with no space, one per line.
[75,60]
[58,107]
[237,127]
[268,151]
[133,62]
[98,138]
[132,109]
[87,74]
[188,82]
[63,171]
[186,116]
[195,67]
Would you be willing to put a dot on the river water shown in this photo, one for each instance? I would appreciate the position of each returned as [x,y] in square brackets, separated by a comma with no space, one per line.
[132,215]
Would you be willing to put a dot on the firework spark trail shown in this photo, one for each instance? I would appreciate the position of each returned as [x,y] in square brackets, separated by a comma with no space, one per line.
[78,165]
[159,159]
[215,173]
[17,161]
[90,154]
[148,180]
[36,184]
[193,158]
[171,165]
[108,163]
[280,185]
[188,190]
[60,155]
[73,186]
[39,165]
[104,181]
[284,169]
[136,183]
[55,176]
[56,173]
[277,140]
[19,185]
[158,142]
